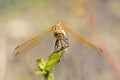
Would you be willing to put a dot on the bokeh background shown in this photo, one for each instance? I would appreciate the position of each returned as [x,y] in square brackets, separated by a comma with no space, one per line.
[22,19]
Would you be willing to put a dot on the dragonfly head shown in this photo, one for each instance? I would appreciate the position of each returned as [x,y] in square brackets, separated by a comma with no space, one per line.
[59,31]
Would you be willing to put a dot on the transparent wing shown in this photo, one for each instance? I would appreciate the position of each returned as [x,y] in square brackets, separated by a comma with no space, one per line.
[20,49]
[83,40]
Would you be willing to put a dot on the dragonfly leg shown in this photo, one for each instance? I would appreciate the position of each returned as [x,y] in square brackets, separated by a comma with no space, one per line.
[56,45]
[66,43]
[65,39]
[61,43]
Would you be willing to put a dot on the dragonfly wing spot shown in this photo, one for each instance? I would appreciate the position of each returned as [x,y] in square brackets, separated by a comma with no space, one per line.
[17,47]
[100,50]
[17,53]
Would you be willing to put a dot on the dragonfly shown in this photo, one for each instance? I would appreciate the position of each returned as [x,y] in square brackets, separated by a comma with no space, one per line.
[59,31]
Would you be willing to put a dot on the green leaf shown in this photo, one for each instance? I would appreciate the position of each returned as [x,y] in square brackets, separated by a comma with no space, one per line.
[40,72]
[41,63]
[54,58]
[51,77]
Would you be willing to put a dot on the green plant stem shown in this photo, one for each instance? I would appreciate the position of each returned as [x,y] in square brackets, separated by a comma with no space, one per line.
[47,76]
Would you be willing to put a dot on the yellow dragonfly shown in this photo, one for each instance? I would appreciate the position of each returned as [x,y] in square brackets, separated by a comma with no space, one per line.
[59,32]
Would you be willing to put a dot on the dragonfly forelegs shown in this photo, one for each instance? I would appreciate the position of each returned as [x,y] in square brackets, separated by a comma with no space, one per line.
[66,43]
[61,44]
[56,45]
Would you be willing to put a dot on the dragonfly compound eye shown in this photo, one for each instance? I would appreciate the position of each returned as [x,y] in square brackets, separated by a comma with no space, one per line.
[59,36]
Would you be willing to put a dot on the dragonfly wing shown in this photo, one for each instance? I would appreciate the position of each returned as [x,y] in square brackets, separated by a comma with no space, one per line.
[20,49]
[83,40]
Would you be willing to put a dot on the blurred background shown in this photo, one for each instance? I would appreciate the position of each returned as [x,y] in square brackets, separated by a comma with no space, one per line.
[22,19]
